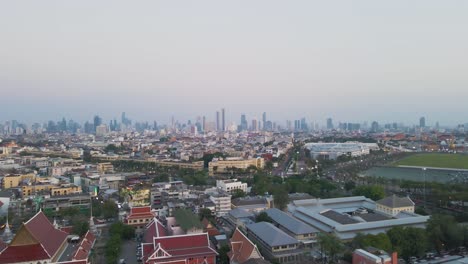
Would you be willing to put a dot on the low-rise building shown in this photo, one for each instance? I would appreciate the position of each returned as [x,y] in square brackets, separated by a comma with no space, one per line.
[66,201]
[242,249]
[252,204]
[231,186]
[374,256]
[240,218]
[14,180]
[293,227]
[139,217]
[39,241]
[222,203]
[159,247]
[219,166]
[393,205]
[275,244]
[348,216]
[105,167]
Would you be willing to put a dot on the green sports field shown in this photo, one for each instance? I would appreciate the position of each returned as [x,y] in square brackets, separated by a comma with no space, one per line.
[439,160]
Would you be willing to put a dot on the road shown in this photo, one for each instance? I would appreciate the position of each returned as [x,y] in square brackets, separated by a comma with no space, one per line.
[129,252]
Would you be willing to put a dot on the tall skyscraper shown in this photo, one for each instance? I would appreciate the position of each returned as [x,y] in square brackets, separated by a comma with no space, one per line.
[244,125]
[204,124]
[329,123]
[374,126]
[264,120]
[223,123]
[97,122]
[422,122]
[123,121]
[254,125]
[217,121]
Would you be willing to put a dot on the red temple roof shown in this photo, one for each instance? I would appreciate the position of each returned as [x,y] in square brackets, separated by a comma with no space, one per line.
[14,254]
[140,212]
[43,230]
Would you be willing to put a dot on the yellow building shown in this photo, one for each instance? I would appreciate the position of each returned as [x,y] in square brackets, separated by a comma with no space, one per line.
[14,180]
[105,167]
[218,166]
[393,205]
[55,190]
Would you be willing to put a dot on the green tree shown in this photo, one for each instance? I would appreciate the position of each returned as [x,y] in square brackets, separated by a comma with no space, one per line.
[280,197]
[109,209]
[408,241]
[331,245]
[263,217]
[349,185]
[374,192]
[205,213]
[80,227]
[444,232]
[223,254]
[238,194]
[113,248]
[380,241]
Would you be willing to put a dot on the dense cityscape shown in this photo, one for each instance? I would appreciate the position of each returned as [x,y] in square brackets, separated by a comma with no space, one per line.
[301,193]
[233,132]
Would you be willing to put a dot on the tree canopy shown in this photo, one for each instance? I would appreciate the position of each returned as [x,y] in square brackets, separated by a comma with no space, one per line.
[374,192]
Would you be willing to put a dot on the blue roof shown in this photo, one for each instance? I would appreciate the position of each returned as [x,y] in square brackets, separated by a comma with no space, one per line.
[290,223]
[271,235]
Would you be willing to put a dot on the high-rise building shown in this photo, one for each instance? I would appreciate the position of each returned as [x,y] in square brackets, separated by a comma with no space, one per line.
[204,124]
[244,125]
[254,125]
[374,126]
[422,122]
[223,120]
[329,123]
[97,122]
[264,120]
[217,121]
[303,124]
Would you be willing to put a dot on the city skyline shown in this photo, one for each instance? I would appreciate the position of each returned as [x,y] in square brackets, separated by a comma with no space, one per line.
[363,61]
[242,123]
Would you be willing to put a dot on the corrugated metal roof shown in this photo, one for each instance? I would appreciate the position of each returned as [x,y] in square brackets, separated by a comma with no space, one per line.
[271,235]
[290,223]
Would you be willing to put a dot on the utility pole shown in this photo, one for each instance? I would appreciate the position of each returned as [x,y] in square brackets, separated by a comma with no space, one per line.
[424,174]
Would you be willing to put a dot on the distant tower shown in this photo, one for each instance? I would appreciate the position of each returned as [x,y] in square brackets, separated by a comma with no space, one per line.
[123,119]
[264,120]
[254,125]
[329,123]
[422,122]
[244,125]
[97,122]
[217,121]
[223,118]
[204,124]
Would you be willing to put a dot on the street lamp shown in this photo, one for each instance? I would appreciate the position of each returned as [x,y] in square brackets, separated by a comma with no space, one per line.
[424,175]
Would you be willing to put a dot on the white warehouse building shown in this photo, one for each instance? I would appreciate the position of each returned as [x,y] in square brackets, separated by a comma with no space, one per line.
[348,216]
[334,150]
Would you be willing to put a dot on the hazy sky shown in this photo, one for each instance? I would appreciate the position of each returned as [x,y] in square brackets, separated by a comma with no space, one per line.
[351,60]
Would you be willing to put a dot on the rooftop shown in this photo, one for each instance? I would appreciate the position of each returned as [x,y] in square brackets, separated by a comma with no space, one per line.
[396,202]
[290,223]
[271,235]
[343,219]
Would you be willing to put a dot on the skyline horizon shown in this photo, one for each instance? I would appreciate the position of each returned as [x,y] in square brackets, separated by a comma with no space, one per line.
[321,122]
[383,61]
